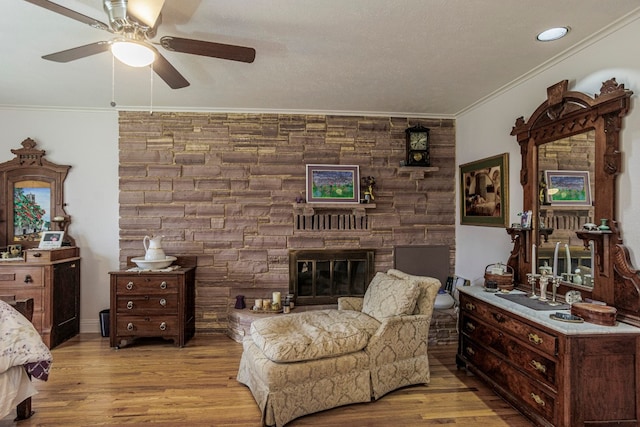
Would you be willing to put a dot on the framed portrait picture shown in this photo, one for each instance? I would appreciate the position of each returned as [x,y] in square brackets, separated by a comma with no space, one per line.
[484,188]
[51,239]
[568,188]
[333,184]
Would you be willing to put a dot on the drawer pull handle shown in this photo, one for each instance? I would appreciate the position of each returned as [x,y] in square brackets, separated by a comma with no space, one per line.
[130,327]
[499,317]
[538,366]
[163,302]
[534,338]
[130,305]
[470,306]
[470,351]
[130,285]
[537,399]
[37,255]
[471,326]
[163,326]
[163,285]
[28,279]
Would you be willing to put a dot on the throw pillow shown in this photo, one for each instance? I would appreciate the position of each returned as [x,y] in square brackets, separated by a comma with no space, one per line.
[389,296]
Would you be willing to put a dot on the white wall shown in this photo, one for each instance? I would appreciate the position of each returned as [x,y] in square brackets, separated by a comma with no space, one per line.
[88,141]
[485,131]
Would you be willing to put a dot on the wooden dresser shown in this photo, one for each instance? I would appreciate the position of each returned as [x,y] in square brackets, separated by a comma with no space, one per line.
[152,304]
[556,373]
[52,278]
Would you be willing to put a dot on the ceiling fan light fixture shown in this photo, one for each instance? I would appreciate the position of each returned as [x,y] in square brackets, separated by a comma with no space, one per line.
[552,34]
[132,53]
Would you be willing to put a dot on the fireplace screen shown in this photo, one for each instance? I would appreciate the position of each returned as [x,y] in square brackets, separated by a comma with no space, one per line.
[320,277]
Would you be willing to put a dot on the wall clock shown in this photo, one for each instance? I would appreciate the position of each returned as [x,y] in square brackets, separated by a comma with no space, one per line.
[417,146]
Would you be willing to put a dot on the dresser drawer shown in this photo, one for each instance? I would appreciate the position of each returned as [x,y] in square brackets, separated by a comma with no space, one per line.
[538,398]
[136,284]
[148,326]
[533,363]
[147,304]
[22,276]
[535,337]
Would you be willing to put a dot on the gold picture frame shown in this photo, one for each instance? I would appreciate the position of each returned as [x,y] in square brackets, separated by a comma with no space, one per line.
[484,191]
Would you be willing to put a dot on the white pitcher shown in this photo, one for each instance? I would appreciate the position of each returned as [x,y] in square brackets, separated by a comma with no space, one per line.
[153,248]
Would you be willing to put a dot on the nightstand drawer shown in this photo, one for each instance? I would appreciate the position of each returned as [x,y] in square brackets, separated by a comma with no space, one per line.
[148,304]
[137,284]
[149,326]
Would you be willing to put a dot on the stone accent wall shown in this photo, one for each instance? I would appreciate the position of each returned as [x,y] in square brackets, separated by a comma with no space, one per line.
[223,187]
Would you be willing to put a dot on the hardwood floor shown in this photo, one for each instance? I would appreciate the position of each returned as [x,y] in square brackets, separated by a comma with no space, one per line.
[155,382]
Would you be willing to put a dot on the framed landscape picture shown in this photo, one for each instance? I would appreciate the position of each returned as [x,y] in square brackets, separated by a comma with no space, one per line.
[333,184]
[568,188]
[484,188]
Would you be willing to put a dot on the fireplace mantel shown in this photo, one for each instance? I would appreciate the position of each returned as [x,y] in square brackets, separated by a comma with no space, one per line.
[327,217]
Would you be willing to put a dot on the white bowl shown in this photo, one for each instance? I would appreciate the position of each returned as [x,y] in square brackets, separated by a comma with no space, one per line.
[154,264]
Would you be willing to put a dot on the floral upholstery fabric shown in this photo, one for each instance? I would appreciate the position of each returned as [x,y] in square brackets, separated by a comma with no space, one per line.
[388,296]
[313,334]
[394,356]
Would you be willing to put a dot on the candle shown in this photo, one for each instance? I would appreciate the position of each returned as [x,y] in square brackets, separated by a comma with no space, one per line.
[568,257]
[533,259]
[555,260]
[276,298]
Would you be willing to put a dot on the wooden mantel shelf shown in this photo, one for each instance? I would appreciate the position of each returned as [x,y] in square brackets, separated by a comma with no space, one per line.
[311,208]
[417,172]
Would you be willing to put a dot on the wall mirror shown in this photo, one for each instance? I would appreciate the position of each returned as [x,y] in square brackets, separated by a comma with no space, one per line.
[570,159]
[32,199]
[565,169]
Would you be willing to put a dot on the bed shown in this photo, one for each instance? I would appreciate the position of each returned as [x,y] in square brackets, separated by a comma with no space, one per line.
[23,356]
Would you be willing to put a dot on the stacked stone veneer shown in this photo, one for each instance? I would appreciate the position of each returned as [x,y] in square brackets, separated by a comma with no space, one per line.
[223,187]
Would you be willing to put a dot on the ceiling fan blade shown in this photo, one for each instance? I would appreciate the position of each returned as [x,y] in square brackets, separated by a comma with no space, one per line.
[168,73]
[71,14]
[78,52]
[204,48]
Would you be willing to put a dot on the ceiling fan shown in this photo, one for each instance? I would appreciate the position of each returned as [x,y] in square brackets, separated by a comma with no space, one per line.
[134,24]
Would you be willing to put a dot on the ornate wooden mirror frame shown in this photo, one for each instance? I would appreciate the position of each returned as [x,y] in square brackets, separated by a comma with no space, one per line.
[563,114]
[30,171]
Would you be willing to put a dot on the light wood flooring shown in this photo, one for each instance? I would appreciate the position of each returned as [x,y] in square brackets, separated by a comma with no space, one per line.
[155,382]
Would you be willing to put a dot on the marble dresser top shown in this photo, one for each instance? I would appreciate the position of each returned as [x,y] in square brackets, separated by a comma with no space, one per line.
[542,316]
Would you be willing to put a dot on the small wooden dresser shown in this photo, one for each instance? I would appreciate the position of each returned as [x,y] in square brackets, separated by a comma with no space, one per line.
[555,373]
[152,304]
[52,278]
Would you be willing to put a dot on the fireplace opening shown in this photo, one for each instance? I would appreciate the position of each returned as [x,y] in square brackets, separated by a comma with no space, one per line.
[322,276]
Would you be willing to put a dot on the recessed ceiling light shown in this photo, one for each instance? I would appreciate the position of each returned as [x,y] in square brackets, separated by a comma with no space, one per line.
[553,34]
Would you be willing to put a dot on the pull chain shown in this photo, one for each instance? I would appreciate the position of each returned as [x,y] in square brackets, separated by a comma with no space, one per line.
[151,90]
[113,81]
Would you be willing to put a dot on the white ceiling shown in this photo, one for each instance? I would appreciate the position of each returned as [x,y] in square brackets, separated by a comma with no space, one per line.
[393,57]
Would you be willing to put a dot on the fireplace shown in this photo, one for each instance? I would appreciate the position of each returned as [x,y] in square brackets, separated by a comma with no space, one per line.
[322,276]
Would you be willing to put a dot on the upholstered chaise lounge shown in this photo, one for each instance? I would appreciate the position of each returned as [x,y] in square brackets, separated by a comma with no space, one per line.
[298,364]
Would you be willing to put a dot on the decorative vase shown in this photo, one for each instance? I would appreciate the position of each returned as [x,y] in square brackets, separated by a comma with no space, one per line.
[603,226]
[240,302]
[444,301]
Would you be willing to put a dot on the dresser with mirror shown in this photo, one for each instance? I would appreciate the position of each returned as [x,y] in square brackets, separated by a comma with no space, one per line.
[32,206]
[556,371]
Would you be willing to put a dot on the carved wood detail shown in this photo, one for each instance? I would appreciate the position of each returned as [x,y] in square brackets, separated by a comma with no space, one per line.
[566,113]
